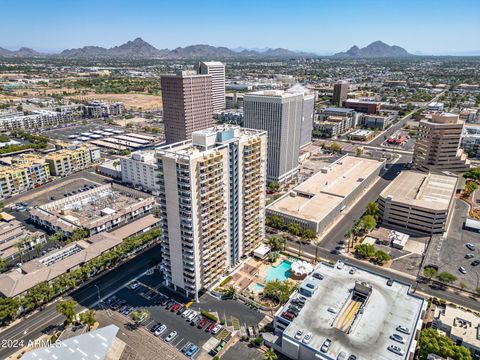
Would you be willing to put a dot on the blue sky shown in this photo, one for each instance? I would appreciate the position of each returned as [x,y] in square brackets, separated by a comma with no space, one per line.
[320,26]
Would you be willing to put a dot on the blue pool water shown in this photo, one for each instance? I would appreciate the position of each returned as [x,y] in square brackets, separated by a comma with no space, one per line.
[258,288]
[281,272]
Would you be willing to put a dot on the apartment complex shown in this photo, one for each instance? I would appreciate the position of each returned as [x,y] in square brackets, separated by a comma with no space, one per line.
[315,203]
[22,173]
[280,114]
[98,109]
[437,147]
[217,71]
[355,309]
[38,119]
[471,140]
[212,196]
[336,121]
[375,122]
[187,104]
[69,160]
[13,233]
[418,202]
[139,170]
[340,92]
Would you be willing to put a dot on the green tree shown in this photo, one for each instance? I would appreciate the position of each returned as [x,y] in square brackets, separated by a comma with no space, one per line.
[78,234]
[473,174]
[270,355]
[294,229]
[368,222]
[470,187]
[430,272]
[274,185]
[446,277]
[431,342]
[67,308]
[279,290]
[275,221]
[365,250]
[335,147]
[382,257]
[373,209]
[3,265]
[230,292]
[358,151]
[8,309]
[275,242]
[140,315]
[88,318]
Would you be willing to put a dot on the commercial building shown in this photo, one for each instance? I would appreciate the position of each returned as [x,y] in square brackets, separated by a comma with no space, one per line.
[69,160]
[280,114]
[212,199]
[336,121]
[355,309]
[308,110]
[23,173]
[187,104]
[217,71]
[340,93]
[361,135]
[100,344]
[437,147]
[139,170]
[99,109]
[234,101]
[363,106]
[315,203]
[100,209]
[419,202]
[435,106]
[376,122]
[460,325]
[36,120]
[471,141]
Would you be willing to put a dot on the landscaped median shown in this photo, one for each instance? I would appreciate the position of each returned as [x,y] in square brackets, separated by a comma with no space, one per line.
[40,294]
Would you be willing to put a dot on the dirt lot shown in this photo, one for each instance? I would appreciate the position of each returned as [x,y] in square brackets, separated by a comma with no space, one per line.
[131,101]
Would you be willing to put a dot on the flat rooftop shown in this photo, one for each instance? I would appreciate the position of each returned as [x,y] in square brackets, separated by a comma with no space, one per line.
[316,197]
[368,338]
[426,190]
[463,324]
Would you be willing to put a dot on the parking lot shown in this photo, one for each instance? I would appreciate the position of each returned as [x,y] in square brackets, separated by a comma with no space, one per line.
[449,253]
[63,133]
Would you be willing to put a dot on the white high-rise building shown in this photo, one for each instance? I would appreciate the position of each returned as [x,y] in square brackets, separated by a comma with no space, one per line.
[216,70]
[139,170]
[280,114]
[212,201]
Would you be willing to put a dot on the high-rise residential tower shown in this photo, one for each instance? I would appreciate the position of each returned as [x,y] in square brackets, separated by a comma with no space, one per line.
[340,92]
[217,70]
[437,147]
[212,201]
[187,104]
[280,114]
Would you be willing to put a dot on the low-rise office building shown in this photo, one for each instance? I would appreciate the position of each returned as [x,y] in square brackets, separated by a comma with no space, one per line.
[418,202]
[376,122]
[315,203]
[335,121]
[98,109]
[435,106]
[355,309]
[139,170]
[361,135]
[461,326]
[363,106]
[22,173]
[471,141]
[100,209]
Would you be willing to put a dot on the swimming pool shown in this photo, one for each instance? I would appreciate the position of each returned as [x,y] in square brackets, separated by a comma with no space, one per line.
[258,288]
[280,272]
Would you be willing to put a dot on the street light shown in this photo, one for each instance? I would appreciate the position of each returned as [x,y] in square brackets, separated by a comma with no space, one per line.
[98,291]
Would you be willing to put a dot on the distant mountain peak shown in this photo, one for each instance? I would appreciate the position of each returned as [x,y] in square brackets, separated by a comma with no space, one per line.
[377,49]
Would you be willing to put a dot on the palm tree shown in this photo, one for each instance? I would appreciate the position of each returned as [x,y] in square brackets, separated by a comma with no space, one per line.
[3,265]
[38,249]
[270,355]
[20,250]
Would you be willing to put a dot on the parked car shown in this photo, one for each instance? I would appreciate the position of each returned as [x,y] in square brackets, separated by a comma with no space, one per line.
[326,345]
[190,352]
[307,338]
[299,334]
[395,349]
[171,336]
[216,329]
[197,320]
[470,246]
[352,270]
[160,330]
[403,329]
[202,323]
[469,256]
[398,338]
[210,327]
[318,276]
[155,327]
[342,356]
[475,262]
[192,316]
[352,357]
[134,285]
[181,310]
[340,264]
[186,313]
[390,282]
[462,270]
[175,307]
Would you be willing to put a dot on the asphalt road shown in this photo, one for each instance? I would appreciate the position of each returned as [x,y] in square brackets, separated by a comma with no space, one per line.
[39,323]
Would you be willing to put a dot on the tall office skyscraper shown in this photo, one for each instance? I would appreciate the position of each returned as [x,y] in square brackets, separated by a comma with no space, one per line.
[187,104]
[340,92]
[217,70]
[280,114]
[437,147]
[212,200]
[307,113]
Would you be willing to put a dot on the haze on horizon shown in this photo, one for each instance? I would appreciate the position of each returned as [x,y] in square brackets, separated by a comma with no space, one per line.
[324,27]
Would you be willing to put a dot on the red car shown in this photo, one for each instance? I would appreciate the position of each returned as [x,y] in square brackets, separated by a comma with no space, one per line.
[202,324]
[175,307]
[288,316]
[210,327]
